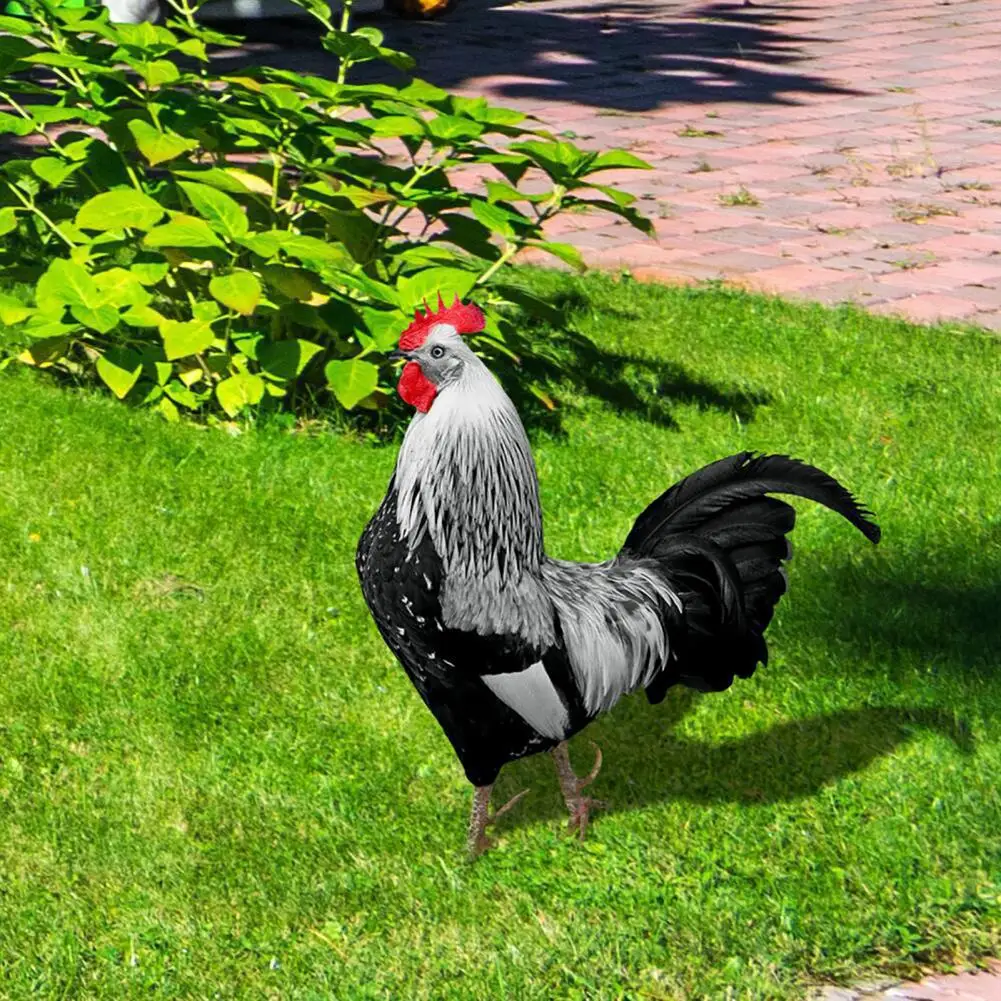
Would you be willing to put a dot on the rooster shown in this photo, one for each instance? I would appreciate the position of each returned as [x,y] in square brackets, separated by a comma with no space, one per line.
[513,651]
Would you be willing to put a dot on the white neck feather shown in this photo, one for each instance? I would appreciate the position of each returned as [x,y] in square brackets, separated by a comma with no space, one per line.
[466,477]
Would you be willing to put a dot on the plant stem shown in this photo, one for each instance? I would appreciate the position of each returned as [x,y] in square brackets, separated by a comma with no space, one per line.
[32,207]
[509,251]
[344,63]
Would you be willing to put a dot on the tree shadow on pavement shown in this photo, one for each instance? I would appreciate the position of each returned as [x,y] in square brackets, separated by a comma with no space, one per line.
[620,56]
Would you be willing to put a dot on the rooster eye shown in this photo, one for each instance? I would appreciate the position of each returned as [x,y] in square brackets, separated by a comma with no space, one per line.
[437,351]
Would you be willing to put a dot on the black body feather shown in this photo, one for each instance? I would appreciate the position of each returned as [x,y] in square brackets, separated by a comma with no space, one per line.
[446,666]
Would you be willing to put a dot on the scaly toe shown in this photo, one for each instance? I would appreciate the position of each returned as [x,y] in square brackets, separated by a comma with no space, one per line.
[581,814]
[477,847]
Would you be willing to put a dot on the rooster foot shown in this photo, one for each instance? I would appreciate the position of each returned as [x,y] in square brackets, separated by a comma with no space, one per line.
[482,818]
[572,786]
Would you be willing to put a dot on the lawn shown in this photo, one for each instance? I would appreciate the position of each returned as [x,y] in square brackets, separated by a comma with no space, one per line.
[215,783]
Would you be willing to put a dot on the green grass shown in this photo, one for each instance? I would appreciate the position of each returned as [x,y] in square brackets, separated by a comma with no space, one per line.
[214,783]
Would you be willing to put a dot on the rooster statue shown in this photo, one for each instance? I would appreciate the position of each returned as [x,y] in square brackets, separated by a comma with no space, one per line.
[513,651]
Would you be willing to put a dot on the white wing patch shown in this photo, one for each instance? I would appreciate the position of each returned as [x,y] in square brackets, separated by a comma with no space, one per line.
[533,697]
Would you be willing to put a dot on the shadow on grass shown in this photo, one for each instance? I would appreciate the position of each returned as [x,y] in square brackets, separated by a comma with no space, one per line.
[646,763]
[628,383]
[943,616]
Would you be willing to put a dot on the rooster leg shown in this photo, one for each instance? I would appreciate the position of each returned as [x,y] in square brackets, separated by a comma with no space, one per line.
[481,818]
[571,786]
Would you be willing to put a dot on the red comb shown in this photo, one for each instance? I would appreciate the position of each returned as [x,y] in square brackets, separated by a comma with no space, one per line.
[464,316]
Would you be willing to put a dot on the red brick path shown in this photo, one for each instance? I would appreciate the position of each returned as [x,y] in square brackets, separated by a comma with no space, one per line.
[864,134]
[983,986]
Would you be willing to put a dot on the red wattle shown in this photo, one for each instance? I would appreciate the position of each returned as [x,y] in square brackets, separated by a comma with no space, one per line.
[415,388]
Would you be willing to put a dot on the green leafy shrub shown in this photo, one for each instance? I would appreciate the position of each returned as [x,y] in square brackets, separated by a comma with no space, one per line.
[200,240]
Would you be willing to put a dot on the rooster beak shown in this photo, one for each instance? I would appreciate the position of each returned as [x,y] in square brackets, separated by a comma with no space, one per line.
[399,355]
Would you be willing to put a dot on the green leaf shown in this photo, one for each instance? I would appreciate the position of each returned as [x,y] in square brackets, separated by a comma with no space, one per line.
[450,127]
[122,208]
[283,97]
[318,8]
[158,147]
[8,220]
[379,291]
[168,409]
[51,114]
[180,393]
[265,244]
[12,310]
[498,219]
[358,48]
[221,212]
[239,391]
[351,381]
[143,316]
[183,231]
[621,198]
[427,284]
[195,48]
[119,369]
[122,288]
[498,191]
[615,158]
[566,252]
[103,318]
[384,327]
[66,283]
[144,36]
[489,114]
[562,161]
[51,346]
[295,283]
[206,310]
[105,167]
[286,359]
[463,232]
[158,73]
[422,92]
[393,126]
[314,252]
[247,343]
[235,180]
[14,125]
[77,149]
[53,170]
[16,26]
[356,230]
[150,272]
[239,291]
[162,370]
[181,339]
[64,61]
[373,34]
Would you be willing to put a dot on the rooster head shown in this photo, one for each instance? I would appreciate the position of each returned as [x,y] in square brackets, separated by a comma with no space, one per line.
[434,350]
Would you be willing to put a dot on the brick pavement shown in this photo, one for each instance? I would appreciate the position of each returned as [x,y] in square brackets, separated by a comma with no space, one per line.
[837,150]
[973,986]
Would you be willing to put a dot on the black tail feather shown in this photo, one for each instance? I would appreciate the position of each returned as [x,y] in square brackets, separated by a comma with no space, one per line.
[718,486]
[722,543]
